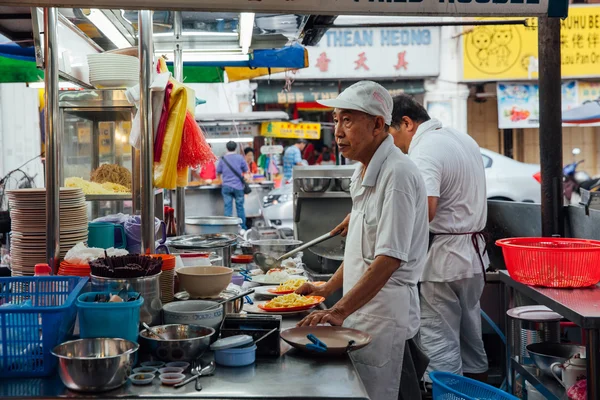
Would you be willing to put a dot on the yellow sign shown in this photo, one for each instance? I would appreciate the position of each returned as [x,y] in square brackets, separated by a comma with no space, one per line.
[510,52]
[287,130]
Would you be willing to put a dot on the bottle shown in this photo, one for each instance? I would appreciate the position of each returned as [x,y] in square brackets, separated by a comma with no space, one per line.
[172,227]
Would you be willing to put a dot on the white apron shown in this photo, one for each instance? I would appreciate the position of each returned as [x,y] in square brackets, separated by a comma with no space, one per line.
[385,317]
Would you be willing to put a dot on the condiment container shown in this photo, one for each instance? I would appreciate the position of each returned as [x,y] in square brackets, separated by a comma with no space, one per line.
[171,379]
[153,364]
[235,351]
[145,370]
[141,378]
[178,364]
[170,370]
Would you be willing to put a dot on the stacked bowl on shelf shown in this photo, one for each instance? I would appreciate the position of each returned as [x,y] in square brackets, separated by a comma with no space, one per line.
[28,236]
[111,71]
[68,269]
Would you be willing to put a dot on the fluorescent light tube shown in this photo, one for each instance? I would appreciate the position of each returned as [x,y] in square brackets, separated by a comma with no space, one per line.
[107,28]
[246,27]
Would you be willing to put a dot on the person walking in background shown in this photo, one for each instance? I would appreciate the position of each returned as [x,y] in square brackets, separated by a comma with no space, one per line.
[326,158]
[309,154]
[231,168]
[249,155]
[292,157]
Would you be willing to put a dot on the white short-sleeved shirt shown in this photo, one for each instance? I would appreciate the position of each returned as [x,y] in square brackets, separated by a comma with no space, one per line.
[393,199]
[452,167]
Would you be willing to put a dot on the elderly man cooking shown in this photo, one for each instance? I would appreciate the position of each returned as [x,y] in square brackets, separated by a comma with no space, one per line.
[386,244]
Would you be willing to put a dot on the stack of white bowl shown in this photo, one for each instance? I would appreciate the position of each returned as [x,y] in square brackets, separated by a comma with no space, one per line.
[113,71]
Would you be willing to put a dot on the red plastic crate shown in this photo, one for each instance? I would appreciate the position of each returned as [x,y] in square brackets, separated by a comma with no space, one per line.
[552,262]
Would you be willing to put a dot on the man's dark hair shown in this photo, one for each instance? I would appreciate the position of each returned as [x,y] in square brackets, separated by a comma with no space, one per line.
[302,141]
[248,150]
[231,145]
[407,106]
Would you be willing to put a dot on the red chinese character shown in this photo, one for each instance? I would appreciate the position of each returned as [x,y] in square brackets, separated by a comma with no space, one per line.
[360,63]
[323,62]
[402,63]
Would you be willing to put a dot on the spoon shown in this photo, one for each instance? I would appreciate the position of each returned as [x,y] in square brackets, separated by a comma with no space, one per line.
[265,335]
[208,370]
[155,333]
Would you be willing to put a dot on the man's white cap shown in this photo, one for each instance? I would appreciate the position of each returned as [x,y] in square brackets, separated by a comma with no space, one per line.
[366,96]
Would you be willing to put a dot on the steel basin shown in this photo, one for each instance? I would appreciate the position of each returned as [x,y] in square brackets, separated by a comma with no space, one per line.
[545,354]
[95,365]
[182,343]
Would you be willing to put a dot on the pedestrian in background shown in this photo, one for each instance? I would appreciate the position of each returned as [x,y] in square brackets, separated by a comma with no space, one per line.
[232,168]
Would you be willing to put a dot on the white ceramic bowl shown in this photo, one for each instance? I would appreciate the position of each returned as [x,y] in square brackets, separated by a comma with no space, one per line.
[191,312]
[204,282]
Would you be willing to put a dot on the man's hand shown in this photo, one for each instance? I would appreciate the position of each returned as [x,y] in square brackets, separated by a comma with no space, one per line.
[343,227]
[310,289]
[332,317]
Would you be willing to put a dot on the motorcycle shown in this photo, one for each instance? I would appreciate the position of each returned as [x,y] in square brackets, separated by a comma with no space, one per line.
[573,180]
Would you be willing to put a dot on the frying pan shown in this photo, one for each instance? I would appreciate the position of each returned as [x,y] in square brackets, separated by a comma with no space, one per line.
[339,340]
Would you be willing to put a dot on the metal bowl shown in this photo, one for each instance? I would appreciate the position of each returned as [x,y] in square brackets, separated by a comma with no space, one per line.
[274,247]
[95,365]
[183,342]
[546,353]
[344,184]
[313,185]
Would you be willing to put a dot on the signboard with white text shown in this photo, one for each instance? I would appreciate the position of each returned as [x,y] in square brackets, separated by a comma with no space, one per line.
[371,53]
[448,8]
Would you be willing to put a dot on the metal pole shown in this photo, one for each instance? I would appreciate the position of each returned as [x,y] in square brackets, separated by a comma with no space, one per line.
[551,127]
[146,54]
[52,138]
[593,363]
[178,72]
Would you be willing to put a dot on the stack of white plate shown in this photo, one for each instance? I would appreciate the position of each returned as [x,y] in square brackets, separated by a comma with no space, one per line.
[112,71]
[28,236]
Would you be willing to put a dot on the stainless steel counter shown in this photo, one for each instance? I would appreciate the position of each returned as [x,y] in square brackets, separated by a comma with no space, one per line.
[580,306]
[207,201]
[291,376]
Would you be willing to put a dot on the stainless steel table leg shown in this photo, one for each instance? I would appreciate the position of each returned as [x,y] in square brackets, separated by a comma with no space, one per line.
[507,300]
[593,363]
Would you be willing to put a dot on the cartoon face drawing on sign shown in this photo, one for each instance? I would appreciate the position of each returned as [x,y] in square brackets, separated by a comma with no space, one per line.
[501,40]
[493,50]
[482,40]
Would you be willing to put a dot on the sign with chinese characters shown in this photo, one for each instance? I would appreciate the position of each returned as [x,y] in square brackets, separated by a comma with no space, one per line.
[446,8]
[277,149]
[509,52]
[518,103]
[310,91]
[288,130]
[372,53]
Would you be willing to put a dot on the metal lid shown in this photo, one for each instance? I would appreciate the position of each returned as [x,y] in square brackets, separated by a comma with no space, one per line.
[335,253]
[534,313]
[230,221]
[211,241]
[232,342]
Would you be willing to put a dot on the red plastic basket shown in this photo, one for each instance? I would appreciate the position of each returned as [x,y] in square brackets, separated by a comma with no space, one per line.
[552,262]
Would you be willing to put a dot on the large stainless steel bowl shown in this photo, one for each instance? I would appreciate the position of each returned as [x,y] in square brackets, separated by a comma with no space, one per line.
[545,354]
[212,225]
[312,185]
[344,184]
[181,343]
[95,365]
[274,247]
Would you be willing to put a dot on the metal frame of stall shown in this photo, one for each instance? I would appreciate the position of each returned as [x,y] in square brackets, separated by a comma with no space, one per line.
[550,115]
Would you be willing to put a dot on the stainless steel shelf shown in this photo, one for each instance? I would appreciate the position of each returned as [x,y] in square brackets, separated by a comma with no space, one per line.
[547,386]
[107,197]
[324,195]
[114,197]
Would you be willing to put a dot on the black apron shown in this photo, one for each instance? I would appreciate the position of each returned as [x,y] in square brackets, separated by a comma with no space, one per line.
[474,240]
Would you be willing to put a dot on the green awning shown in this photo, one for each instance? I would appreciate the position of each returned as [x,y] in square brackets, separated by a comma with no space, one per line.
[310,91]
[13,70]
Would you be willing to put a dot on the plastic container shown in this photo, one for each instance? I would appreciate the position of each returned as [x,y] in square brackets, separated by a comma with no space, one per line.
[171,379]
[235,351]
[25,351]
[178,364]
[449,386]
[552,262]
[167,278]
[109,320]
[141,379]
[170,370]
[145,370]
[153,364]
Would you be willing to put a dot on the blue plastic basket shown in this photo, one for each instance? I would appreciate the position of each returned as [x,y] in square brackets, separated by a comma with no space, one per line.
[36,314]
[108,320]
[455,387]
